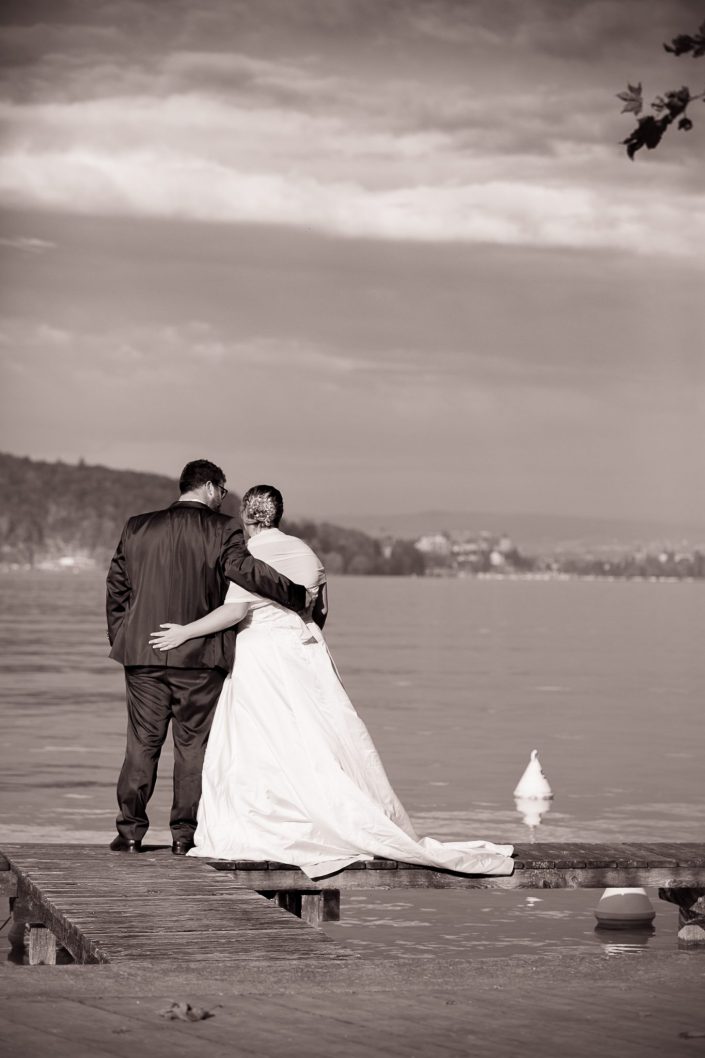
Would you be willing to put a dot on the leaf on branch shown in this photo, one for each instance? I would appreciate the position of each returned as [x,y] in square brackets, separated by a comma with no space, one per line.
[680,45]
[677,101]
[670,107]
[647,134]
[685,44]
[674,102]
[633,102]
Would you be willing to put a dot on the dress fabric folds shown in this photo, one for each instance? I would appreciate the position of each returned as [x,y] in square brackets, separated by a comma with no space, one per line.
[291,773]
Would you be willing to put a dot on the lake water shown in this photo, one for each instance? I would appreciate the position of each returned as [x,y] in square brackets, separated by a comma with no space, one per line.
[457,681]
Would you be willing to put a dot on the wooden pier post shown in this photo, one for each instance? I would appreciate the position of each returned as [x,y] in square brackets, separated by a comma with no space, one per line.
[290,901]
[42,946]
[321,907]
[17,934]
[28,933]
[313,908]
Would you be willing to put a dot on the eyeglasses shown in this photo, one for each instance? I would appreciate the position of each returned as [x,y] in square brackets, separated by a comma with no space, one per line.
[223,490]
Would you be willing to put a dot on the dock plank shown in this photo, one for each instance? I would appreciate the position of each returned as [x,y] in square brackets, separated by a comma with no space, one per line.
[572,854]
[676,854]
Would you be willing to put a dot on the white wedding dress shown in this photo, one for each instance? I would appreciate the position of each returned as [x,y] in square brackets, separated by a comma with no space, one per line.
[291,773]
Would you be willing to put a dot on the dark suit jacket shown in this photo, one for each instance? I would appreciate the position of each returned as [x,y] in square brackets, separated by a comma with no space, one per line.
[174,566]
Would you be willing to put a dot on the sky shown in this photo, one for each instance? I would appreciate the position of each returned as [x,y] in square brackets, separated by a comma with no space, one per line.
[388,255]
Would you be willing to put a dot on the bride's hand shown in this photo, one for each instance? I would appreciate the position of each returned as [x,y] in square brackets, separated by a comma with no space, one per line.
[170,639]
[311,597]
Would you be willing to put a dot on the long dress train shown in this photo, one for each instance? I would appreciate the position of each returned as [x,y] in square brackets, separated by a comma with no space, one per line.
[291,773]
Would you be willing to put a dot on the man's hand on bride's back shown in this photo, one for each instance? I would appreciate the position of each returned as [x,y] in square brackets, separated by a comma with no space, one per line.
[169,639]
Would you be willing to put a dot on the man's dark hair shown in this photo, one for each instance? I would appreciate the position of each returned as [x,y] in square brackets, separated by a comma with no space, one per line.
[197,473]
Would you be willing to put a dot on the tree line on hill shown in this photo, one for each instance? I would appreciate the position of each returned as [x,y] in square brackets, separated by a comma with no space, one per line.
[52,510]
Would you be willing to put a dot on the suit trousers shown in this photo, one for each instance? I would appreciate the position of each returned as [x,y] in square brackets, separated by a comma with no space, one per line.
[157,695]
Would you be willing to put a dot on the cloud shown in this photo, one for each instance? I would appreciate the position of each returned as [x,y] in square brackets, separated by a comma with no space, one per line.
[27,244]
[580,31]
[148,352]
[226,73]
[507,211]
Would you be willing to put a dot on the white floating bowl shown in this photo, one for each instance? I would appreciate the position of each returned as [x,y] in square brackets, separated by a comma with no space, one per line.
[624,909]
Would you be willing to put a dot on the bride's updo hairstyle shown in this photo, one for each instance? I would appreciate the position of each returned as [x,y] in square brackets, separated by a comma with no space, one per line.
[262,505]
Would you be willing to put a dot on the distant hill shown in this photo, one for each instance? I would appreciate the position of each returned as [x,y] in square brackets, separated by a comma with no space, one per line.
[56,510]
[532,533]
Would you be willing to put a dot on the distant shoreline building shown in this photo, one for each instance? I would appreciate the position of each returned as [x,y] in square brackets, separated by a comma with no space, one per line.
[434,544]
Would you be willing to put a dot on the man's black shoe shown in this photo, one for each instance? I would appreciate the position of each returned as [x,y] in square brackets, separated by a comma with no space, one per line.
[121,844]
[182,846]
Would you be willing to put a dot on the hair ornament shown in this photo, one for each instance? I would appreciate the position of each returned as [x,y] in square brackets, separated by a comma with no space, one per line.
[262,510]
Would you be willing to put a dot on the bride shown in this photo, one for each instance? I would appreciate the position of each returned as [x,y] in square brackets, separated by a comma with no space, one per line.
[291,773]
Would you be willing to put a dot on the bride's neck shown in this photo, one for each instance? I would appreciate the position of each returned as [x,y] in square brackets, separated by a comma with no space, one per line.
[252,529]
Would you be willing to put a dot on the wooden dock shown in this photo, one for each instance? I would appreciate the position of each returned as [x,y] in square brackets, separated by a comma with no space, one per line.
[100,906]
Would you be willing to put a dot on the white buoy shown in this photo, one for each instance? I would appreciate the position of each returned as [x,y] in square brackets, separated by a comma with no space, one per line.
[624,909]
[533,783]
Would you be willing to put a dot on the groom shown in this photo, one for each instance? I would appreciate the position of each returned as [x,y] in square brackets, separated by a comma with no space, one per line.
[173,565]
